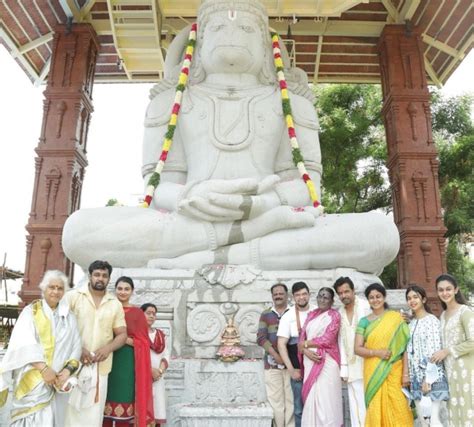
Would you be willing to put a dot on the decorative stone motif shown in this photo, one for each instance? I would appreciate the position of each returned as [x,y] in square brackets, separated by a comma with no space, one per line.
[229,276]
[204,323]
[247,319]
[222,387]
[53,179]
[228,308]
[226,415]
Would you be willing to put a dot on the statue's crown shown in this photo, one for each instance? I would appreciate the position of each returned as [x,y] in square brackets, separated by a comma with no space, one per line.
[209,7]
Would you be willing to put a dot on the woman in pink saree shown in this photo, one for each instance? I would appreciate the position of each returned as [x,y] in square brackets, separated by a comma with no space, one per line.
[319,352]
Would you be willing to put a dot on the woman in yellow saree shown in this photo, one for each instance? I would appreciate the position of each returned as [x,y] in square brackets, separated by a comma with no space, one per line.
[381,339]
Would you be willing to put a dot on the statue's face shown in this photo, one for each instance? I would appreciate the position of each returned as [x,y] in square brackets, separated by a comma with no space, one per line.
[232,46]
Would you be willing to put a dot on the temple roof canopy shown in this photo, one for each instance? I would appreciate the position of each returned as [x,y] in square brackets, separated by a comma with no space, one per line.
[332,41]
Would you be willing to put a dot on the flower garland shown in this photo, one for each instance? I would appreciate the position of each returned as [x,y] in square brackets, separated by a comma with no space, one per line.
[298,159]
[168,138]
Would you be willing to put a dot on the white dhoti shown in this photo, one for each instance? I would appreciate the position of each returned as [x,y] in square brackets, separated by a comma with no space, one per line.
[91,415]
[355,390]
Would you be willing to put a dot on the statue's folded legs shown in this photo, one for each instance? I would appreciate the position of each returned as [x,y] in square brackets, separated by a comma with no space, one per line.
[278,240]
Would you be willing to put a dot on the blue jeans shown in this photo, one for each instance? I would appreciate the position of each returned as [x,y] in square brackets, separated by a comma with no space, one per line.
[296,387]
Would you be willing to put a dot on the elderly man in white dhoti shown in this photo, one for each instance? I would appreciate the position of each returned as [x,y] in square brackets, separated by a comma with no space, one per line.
[42,354]
[353,309]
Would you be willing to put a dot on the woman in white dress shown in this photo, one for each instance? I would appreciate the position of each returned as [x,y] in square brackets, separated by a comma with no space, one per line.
[159,363]
[457,333]
[426,379]
[43,352]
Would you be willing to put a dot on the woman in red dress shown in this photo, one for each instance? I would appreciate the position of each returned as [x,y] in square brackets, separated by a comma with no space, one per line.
[129,393]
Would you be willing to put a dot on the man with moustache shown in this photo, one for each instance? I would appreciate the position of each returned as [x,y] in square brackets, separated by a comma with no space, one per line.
[353,309]
[103,330]
[288,334]
[277,377]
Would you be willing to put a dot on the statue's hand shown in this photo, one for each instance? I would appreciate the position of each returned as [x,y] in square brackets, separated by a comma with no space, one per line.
[195,199]
[250,206]
[315,211]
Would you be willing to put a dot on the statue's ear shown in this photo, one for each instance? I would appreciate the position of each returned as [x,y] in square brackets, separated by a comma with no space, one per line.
[175,54]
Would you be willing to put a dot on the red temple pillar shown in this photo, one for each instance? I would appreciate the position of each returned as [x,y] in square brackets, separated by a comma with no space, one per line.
[412,158]
[61,152]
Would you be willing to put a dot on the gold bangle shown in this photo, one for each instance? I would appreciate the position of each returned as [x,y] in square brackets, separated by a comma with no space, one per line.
[44,369]
[305,344]
[161,371]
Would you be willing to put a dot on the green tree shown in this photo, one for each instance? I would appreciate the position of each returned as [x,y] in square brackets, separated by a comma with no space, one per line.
[353,149]
[453,132]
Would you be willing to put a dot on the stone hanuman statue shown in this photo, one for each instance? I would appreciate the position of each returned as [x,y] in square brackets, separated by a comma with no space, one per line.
[229,188]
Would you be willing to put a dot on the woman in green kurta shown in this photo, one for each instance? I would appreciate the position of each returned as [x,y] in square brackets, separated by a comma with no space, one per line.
[457,332]
[129,391]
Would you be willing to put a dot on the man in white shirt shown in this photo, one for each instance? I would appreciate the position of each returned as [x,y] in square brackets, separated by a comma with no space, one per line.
[288,334]
[352,366]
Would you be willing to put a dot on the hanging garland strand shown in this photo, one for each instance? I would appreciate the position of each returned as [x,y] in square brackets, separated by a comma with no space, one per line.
[168,138]
[298,159]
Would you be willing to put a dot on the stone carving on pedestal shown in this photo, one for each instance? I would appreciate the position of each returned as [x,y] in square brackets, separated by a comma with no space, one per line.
[220,387]
[247,318]
[205,323]
[229,276]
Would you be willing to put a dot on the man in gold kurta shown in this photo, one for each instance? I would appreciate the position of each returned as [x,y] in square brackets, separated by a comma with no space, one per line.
[102,327]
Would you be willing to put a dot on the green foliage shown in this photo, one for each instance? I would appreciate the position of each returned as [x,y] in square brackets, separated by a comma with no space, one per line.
[460,266]
[353,148]
[170,132]
[451,116]
[286,107]
[453,132]
[154,179]
[389,275]
[112,202]
[456,179]
[297,156]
